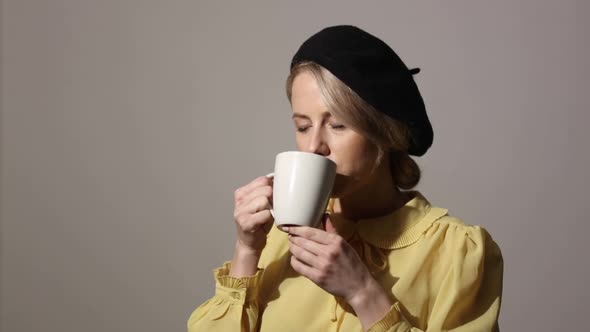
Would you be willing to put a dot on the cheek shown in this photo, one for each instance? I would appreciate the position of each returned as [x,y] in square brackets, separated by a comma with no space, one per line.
[300,142]
[354,157]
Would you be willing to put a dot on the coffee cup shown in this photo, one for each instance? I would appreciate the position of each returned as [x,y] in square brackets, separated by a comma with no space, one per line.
[302,186]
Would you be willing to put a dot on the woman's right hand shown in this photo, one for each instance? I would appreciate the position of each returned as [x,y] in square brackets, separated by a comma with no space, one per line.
[252,214]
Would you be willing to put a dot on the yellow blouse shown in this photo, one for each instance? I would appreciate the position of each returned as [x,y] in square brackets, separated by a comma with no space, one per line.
[441,274]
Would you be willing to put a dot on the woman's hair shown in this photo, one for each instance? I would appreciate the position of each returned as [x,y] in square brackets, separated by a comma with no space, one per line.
[386,133]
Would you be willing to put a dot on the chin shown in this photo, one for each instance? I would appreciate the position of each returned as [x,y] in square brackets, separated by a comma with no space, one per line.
[340,184]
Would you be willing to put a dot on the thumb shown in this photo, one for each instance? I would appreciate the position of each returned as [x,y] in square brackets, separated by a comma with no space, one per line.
[328,226]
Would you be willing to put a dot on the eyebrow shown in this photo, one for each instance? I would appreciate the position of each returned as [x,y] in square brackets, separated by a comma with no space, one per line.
[303,116]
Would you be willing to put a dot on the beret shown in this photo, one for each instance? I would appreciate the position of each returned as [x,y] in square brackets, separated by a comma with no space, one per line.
[376,73]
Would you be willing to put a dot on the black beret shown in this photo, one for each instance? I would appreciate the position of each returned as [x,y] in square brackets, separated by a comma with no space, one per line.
[375,72]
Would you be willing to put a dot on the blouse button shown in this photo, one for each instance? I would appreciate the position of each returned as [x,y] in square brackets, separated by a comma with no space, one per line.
[235,295]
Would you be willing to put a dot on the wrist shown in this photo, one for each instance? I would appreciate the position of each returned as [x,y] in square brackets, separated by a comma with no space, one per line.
[370,302]
[245,261]
[364,292]
[245,250]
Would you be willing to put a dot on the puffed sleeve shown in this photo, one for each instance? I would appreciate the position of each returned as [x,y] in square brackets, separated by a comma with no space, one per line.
[234,307]
[469,296]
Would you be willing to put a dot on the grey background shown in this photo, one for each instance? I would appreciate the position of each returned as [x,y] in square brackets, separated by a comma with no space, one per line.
[127,125]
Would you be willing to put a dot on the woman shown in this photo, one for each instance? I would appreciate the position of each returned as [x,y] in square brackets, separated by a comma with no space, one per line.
[385,258]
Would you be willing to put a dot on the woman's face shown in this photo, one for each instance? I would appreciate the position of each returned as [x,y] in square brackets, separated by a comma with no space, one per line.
[319,132]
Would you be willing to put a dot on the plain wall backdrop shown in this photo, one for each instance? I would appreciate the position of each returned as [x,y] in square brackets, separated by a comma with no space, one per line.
[127,125]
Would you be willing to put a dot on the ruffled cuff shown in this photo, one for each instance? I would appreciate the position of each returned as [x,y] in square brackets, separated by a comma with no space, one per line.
[240,290]
[388,321]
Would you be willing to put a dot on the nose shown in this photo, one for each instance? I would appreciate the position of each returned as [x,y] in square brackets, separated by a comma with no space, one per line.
[317,143]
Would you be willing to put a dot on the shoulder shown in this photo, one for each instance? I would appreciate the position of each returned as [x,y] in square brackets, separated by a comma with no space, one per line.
[459,238]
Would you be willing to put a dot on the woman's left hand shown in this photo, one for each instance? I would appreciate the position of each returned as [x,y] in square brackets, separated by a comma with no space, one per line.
[328,260]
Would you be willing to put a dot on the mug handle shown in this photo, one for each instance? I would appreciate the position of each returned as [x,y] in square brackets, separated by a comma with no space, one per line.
[271,176]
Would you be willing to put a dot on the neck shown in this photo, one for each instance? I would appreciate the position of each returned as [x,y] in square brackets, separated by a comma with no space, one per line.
[377,197]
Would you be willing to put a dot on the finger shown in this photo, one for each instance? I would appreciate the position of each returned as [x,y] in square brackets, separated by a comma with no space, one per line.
[258,182]
[310,233]
[242,214]
[303,255]
[268,225]
[328,225]
[265,191]
[311,246]
[253,222]
[256,205]
[303,269]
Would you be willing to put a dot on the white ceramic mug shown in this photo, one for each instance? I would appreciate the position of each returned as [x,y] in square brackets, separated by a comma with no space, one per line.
[302,186]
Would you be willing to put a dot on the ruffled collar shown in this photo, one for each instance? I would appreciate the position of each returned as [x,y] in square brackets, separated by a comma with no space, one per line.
[397,229]
[372,237]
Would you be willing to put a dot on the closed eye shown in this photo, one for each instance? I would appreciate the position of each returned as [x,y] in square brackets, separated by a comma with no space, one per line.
[334,126]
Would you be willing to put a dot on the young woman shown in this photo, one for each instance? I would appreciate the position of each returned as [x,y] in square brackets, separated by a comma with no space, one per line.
[385,259]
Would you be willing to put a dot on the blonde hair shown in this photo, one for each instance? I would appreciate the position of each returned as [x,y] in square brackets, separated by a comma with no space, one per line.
[387,134]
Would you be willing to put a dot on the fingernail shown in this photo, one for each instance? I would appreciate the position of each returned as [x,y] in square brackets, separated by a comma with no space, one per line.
[286,230]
